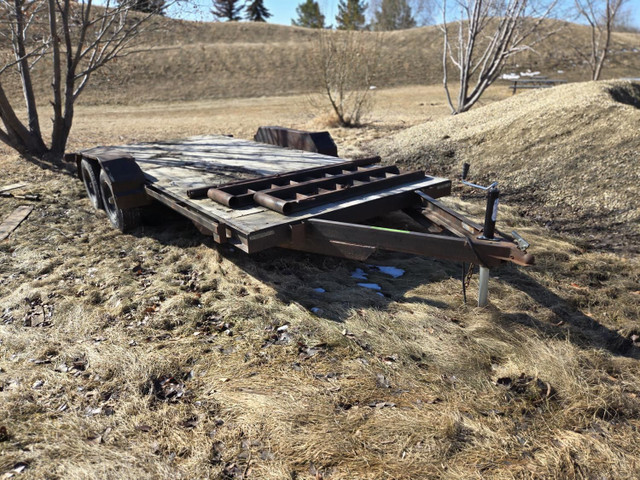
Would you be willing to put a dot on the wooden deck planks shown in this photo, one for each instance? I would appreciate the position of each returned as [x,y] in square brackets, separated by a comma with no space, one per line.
[213,159]
[174,167]
[13,220]
[255,219]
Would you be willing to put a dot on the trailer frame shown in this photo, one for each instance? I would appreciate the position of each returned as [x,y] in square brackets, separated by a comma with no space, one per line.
[319,209]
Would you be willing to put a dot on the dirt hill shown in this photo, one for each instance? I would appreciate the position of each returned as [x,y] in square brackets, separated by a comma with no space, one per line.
[567,155]
[182,60]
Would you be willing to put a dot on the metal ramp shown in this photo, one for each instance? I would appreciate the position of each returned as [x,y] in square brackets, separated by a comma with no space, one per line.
[304,189]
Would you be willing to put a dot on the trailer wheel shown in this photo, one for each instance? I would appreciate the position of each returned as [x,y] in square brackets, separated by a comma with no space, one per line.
[123,220]
[91,185]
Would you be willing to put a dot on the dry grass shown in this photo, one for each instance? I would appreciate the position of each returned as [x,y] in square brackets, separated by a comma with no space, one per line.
[162,355]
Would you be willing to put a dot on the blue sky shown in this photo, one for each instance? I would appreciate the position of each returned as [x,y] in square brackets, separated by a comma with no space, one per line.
[284,10]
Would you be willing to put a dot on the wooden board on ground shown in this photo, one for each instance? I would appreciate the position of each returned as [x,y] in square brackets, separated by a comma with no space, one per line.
[13,220]
[13,186]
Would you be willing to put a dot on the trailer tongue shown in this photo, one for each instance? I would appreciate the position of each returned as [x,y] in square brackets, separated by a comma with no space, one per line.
[257,196]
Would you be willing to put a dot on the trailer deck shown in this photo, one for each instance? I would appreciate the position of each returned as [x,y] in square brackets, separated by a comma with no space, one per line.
[171,169]
[257,196]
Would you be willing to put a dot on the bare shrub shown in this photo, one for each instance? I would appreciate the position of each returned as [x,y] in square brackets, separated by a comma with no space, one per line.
[346,64]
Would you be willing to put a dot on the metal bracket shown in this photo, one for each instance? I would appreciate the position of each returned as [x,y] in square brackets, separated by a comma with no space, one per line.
[523,245]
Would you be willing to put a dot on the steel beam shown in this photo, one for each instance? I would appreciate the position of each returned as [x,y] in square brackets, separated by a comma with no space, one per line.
[379,238]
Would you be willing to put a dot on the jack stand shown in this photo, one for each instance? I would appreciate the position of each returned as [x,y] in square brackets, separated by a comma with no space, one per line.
[483,287]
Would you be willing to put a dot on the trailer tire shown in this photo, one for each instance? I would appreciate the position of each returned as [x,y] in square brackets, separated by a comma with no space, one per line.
[123,220]
[90,174]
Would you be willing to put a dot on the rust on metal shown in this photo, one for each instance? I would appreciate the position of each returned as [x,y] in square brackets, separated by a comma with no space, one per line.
[322,235]
[318,209]
[240,193]
[447,218]
[319,142]
[287,200]
[307,188]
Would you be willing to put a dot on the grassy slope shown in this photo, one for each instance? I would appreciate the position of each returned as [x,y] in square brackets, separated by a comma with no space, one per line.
[239,60]
[564,154]
[191,61]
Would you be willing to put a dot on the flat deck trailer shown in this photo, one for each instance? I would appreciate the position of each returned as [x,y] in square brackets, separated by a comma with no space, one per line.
[256,196]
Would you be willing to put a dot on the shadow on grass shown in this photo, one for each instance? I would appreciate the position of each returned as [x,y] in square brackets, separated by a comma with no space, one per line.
[296,276]
[53,164]
[573,324]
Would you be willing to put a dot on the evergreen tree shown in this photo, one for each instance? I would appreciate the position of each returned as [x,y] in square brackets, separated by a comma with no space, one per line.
[257,12]
[227,9]
[309,15]
[394,15]
[146,6]
[351,15]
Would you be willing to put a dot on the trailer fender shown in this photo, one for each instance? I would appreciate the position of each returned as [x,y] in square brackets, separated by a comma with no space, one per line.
[125,176]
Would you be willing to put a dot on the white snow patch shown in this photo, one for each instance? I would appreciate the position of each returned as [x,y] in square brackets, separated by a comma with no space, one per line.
[391,271]
[359,274]
[529,73]
[372,286]
[510,76]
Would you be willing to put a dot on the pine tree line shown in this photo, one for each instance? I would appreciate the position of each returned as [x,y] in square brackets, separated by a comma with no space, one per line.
[231,10]
[387,14]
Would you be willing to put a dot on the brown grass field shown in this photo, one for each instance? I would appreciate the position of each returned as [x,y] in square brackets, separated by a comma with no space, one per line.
[162,355]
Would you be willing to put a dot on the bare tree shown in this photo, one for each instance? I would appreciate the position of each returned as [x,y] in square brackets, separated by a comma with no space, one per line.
[486,33]
[625,20]
[601,15]
[347,63]
[148,6]
[76,39]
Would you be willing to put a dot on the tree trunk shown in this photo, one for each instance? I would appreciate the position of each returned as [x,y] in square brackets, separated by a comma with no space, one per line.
[62,127]
[99,37]
[18,136]
[25,71]
[58,119]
